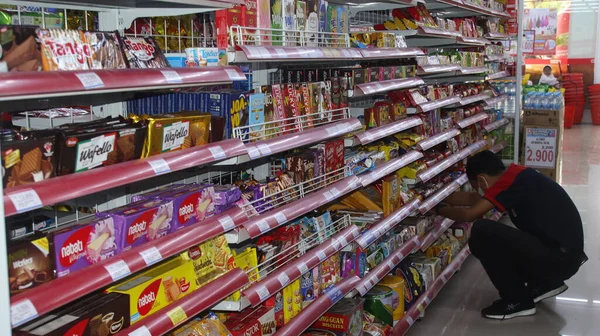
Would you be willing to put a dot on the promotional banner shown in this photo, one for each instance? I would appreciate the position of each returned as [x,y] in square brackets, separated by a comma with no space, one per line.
[543,22]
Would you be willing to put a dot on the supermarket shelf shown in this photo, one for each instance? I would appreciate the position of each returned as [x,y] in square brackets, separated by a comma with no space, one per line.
[437,139]
[495,100]
[100,275]
[425,299]
[498,147]
[35,195]
[497,36]
[436,69]
[472,120]
[434,234]
[497,75]
[277,217]
[441,194]
[50,84]
[387,224]
[494,58]
[438,103]
[389,167]
[429,173]
[383,53]
[438,32]
[249,53]
[155,7]
[470,100]
[387,85]
[268,147]
[293,270]
[380,132]
[495,125]
[456,8]
[386,266]
[474,41]
[189,306]
[318,307]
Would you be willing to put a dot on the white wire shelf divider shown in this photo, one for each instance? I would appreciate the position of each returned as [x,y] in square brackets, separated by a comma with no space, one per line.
[386,224]
[289,269]
[437,139]
[389,167]
[472,120]
[425,299]
[317,308]
[385,267]
[429,173]
[441,227]
[495,125]
[47,192]
[100,275]
[376,133]
[185,308]
[16,86]
[441,194]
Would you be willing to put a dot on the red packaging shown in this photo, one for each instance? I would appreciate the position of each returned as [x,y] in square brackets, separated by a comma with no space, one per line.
[278,105]
[226,18]
[334,155]
[336,94]
[258,322]
[307,104]
[249,14]
[290,103]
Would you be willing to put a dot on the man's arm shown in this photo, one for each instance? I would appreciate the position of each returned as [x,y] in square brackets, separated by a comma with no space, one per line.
[462,198]
[467,214]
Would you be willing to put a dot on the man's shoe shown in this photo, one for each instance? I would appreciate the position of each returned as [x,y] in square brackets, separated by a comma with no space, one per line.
[543,292]
[504,310]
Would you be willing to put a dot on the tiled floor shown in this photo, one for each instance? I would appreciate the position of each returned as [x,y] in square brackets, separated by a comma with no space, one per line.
[456,310]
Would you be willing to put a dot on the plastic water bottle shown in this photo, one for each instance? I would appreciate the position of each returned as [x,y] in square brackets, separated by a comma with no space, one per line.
[527,101]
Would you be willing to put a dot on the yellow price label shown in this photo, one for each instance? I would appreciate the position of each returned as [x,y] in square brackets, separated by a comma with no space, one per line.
[177,315]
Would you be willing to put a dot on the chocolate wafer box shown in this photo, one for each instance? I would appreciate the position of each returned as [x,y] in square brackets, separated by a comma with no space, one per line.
[143,221]
[83,244]
[29,264]
[28,161]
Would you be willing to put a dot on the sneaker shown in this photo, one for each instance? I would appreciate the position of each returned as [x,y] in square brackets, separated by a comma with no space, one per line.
[504,310]
[543,292]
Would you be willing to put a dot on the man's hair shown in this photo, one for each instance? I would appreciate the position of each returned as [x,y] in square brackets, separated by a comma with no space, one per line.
[484,162]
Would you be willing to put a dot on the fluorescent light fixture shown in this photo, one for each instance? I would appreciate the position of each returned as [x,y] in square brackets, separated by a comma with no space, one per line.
[596,301]
[571,299]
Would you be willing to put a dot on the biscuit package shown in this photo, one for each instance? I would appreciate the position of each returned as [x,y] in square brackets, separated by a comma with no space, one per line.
[27,161]
[143,52]
[29,264]
[80,245]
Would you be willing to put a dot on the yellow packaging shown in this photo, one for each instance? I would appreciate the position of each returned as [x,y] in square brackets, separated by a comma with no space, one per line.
[172,132]
[288,307]
[391,195]
[157,287]
[211,259]
[396,283]
[247,261]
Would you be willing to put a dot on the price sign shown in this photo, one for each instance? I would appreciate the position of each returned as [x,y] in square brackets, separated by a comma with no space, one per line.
[217,152]
[177,315]
[25,200]
[159,166]
[540,147]
[90,80]
[227,223]
[118,270]
[141,331]
[22,312]
[171,76]
[151,255]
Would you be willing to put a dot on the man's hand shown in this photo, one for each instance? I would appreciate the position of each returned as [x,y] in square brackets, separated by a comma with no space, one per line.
[462,198]
[467,214]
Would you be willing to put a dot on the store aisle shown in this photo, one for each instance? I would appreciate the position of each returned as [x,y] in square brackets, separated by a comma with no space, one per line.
[456,311]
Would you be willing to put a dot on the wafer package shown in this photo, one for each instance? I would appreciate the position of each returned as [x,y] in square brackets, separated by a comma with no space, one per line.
[29,263]
[172,132]
[143,52]
[28,161]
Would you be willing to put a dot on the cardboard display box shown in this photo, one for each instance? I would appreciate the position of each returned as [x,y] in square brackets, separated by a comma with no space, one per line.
[544,117]
[542,143]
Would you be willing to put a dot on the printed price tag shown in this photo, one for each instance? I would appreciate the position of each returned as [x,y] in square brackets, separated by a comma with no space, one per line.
[335,243]
[25,200]
[141,331]
[227,223]
[217,152]
[328,196]
[159,166]
[253,152]
[540,147]
[234,75]
[281,53]
[22,312]
[283,279]
[177,315]
[410,321]
[118,270]
[321,255]
[171,76]
[334,293]
[342,241]
[302,267]
[335,193]
[264,149]
[151,255]
[346,53]
[390,264]
[90,80]
[280,218]
[263,226]
[262,292]
[427,301]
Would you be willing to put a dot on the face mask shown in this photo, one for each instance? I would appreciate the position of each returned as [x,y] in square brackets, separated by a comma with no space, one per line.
[479,190]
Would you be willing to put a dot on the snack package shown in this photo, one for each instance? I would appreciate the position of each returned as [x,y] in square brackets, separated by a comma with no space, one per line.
[190,206]
[143,52]
[257,116]
[28,161]
[29,263]
[21,52]
[77,246]
[343,319]
[156,288]
[107,50]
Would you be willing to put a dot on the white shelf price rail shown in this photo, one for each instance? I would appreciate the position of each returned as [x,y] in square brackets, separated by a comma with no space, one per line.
[472,120]
[437,139]
[438,103]
[386,224]
[370,88]
[495,125]
[380,132]
[428,174]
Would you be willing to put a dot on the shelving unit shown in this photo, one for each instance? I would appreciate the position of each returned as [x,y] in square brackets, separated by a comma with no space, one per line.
[252,56]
